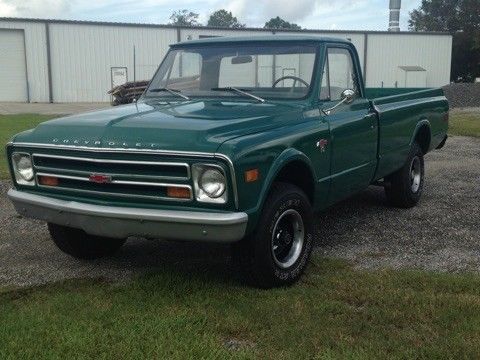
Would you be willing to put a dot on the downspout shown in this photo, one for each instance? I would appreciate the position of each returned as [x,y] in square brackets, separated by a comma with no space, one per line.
[49,63]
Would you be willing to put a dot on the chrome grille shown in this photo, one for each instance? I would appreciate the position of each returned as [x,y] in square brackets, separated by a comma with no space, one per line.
[116,168]
[73,174]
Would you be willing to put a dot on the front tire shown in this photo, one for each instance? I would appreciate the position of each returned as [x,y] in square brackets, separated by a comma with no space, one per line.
[404,187]
[277,252]
[80,245]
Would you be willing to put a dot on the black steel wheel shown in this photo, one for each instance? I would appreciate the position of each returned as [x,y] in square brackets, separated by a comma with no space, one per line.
[277,252]
[404,187]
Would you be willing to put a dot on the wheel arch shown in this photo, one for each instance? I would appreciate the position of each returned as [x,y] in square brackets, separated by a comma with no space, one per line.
[294,167]
[422,135]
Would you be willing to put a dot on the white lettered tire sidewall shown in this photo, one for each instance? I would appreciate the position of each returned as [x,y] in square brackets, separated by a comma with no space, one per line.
[266,272]
[296,270]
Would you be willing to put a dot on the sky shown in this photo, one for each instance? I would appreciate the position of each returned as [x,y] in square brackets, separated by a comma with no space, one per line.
[310,14]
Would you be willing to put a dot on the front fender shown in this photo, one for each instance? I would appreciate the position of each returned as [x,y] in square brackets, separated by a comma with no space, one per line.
[287,156]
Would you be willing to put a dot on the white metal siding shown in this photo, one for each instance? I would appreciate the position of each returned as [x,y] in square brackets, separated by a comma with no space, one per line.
[36,51]
[82,55]
[13,79]
[415,79]
[387,52]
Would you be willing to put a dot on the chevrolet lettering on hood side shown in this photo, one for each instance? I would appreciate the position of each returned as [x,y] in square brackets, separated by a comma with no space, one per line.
[235,140]
[108,143]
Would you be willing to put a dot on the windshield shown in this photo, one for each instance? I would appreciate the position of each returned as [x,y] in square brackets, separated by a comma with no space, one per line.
[266,71]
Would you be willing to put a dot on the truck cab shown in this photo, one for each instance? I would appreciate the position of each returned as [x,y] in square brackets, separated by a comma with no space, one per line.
[235,140]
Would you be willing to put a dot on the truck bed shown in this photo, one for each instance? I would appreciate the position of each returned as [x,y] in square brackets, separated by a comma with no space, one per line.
[401,114]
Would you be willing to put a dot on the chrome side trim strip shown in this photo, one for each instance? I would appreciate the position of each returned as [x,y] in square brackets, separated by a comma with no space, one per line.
[140,151]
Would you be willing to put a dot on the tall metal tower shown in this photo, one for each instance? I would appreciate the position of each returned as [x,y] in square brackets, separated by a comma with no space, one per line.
[394,23]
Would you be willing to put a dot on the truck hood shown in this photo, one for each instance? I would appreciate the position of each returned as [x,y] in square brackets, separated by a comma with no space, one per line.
[198,125]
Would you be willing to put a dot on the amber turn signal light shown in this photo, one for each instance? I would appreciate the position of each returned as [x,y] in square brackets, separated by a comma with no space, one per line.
[178,192]
[251,175]
[48,180]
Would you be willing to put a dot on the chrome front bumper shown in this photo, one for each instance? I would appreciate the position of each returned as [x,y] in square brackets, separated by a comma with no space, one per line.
[121,222]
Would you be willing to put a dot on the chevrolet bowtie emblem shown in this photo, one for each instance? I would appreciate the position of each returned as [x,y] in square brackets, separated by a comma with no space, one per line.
[100,178]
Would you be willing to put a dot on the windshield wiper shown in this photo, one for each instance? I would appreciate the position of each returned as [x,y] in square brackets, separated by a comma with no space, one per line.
[239,91]
[171,91]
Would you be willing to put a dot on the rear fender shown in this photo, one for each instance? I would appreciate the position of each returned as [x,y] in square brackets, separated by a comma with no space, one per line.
[423,122]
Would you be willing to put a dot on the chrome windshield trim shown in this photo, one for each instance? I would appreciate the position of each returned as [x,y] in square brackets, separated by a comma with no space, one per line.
[140,151]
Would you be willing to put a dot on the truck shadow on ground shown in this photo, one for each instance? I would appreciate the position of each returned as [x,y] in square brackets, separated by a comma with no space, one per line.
[214,261]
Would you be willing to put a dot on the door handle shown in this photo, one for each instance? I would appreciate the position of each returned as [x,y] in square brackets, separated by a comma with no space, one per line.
[372,116]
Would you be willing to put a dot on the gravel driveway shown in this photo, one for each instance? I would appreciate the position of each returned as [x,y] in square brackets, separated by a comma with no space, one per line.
[441,234]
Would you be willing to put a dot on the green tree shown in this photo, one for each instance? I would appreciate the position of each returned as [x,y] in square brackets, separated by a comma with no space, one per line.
[224,18]
[184,18]
[279,23]
[461,18]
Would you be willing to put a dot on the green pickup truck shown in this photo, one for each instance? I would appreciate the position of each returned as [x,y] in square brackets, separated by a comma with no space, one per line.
[235,140]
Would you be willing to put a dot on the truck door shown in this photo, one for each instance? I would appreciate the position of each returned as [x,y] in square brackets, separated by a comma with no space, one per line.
[353,126]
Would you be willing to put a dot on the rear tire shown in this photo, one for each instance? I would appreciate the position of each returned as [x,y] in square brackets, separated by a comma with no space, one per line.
[80,245]
[404,187]
[277,252]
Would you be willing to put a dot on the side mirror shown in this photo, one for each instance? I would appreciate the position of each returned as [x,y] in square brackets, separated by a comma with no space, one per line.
[347,98]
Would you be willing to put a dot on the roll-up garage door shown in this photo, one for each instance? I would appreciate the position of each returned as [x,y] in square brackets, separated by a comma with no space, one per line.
[13,80]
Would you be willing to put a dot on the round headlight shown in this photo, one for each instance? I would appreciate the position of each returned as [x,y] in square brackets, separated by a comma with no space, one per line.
[25,168]
[212,182]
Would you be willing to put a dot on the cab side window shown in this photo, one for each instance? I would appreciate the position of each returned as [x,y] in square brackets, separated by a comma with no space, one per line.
[338,75]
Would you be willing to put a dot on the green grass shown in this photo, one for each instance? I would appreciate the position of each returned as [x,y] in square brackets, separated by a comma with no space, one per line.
[464,123]
[193,311]
[335,312]
[11,125]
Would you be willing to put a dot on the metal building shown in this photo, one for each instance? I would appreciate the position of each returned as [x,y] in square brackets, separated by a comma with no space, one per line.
[78,61]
